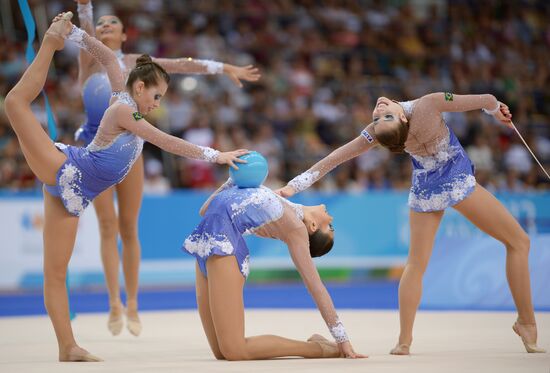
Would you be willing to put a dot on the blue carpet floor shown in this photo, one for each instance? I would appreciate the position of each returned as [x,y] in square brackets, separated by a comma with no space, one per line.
[377,295]
[369,295]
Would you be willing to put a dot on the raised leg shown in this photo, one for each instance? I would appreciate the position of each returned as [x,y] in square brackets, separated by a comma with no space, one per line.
[423,226]
[130,194]
[225,294]
[59,237]
[42,156]
[489,215]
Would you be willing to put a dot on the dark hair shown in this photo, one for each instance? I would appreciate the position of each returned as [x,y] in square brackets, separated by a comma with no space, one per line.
[393,138]
[147,71]
[320,243]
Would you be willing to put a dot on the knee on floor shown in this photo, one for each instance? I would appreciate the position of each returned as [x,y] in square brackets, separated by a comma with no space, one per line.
[233,351]
[218,355]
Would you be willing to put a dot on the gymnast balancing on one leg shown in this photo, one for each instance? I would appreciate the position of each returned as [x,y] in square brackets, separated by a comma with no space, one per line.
[74,176]
[442,177]
[96,94]
[223,265]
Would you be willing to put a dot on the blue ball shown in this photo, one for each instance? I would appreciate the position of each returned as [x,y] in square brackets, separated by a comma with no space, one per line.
[251,174]
[96,94]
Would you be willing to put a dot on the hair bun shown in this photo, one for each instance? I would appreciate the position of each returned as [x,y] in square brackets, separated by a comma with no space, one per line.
[144,59]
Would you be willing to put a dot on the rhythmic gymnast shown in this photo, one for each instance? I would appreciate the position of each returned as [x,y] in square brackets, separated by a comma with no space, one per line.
[223,265]
[96,94]
[443,176]
[74,176]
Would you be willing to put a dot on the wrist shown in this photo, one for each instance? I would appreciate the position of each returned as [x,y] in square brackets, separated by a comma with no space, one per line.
[76,35]
[492,111]
[303,181]
[338,332]
[209,154]
[85,9]
[212,67]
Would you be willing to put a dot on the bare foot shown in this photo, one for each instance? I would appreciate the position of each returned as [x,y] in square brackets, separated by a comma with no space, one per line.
[133,323]
[528,335]
[329,349]
[401,349]
[76,353]
[59,29]
[115,322]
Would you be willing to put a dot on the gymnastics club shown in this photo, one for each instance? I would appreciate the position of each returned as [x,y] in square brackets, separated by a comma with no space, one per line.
[528,148]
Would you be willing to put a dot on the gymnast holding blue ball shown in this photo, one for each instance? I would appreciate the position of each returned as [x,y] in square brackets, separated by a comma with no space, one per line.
[243,206]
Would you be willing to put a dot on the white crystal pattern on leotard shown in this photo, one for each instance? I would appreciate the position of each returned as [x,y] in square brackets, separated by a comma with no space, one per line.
[265,200]
[454,191]
[202,244]
[70,191]
[245,266]
[136,144]
[444,152]
[260,197]
[125,98]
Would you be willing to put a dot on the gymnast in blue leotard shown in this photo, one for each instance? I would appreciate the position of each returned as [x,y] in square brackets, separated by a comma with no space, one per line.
[223,264]
[442,177]
[123,222]
[73,176]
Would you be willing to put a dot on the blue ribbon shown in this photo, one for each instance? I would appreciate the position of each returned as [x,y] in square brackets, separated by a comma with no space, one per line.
[29,56]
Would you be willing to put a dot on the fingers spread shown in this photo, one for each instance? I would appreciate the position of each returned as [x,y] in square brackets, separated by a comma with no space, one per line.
[236,80]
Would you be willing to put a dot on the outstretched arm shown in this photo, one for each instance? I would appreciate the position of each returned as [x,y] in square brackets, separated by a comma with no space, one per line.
[298,245]
[188,65]
[344,153]
[102,54]
[86,61]
[449,102]
[135,123]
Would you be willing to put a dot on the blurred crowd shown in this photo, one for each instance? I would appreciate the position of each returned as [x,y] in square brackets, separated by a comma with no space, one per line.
[323,65]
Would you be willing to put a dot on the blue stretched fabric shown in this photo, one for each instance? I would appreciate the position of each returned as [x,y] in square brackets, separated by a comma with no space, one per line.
[30,25]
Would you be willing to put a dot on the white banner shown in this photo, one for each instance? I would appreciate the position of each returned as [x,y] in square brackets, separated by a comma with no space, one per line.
[21,224]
